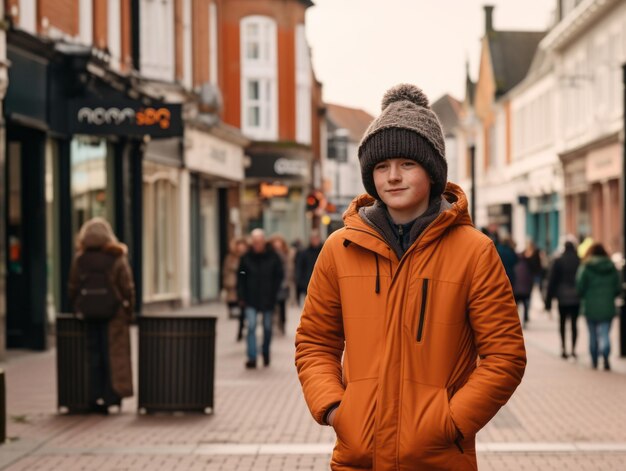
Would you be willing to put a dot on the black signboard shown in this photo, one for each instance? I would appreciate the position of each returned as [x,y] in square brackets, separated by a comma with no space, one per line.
[27,92]
[125,118]
[278,167]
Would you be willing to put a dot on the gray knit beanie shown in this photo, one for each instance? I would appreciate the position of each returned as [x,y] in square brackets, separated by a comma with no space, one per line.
[406,128]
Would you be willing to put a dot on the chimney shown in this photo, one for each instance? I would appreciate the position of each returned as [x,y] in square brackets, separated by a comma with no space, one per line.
[488,18]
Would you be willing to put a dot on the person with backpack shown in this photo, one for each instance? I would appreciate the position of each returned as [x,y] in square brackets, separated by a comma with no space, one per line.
[102,293]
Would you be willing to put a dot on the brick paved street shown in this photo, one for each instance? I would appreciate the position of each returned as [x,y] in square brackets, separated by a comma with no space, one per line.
[563,416]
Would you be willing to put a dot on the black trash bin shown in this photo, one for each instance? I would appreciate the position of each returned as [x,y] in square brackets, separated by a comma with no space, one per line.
[72,365]
[176,363]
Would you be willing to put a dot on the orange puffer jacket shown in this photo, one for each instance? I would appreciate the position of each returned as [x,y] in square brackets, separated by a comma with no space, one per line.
[419,353]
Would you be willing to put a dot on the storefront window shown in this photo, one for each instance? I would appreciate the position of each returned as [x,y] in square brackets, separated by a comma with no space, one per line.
[584,221]
[210,243]
[160,245]
[91,158]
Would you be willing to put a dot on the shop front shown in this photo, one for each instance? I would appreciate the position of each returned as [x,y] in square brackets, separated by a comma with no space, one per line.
[214,158]
[604,171]
[592,194]
[74,150]
[277,182]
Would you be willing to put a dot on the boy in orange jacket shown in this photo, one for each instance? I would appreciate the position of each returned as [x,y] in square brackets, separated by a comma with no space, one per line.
[402,302]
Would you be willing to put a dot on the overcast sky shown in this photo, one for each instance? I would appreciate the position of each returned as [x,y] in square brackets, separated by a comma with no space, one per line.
[362,47]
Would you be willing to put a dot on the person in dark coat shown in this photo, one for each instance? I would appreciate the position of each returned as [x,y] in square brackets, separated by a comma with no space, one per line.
[305,261]
[523,283]
[598,284]
[108,340]
[260,279]
[535,258]
[506,251]
[562,286]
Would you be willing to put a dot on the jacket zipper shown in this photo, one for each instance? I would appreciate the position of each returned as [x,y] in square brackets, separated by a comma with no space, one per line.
[420,328]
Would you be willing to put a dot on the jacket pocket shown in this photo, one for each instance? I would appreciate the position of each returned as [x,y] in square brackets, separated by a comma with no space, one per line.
[428,433]
[422,312]
[354,425]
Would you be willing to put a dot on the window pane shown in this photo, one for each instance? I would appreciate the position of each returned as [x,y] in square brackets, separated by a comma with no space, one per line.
[253,90]
[89,179]
[252,30]
[252,50]
[254,116]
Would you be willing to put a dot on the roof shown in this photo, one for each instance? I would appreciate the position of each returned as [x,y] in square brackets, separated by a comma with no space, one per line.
[354,120]
[448,109]
[512,53]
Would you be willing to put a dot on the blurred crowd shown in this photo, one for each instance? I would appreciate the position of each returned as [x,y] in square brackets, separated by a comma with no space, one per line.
[261,277]
[581,277]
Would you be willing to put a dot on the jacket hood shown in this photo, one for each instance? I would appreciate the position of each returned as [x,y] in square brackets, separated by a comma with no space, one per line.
[600,264]
[456,215]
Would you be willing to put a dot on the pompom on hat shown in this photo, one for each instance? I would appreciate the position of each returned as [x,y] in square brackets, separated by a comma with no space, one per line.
[406,128]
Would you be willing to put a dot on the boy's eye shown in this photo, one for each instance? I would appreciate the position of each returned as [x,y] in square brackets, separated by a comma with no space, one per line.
[408,163]
[380,166]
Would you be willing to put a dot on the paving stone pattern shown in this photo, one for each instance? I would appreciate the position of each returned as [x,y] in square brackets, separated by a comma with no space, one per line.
[563,416]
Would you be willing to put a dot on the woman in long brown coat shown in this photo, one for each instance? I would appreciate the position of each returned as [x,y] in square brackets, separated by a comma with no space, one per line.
[230,274]
[108,338]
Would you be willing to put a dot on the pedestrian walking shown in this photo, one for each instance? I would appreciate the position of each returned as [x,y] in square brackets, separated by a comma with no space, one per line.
[260,278]
[537,262]
[280,246]
[305,261]
[506,250]
[562,286]
[523,283]
[598,284]
[102,293]
[403,301]
[230,274]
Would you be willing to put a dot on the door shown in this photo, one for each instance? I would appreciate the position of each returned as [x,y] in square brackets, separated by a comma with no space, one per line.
[26,240]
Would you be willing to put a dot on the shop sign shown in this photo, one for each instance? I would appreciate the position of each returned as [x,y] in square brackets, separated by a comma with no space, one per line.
[278,167]
[273,190]
[210,155]
[604,163]
[130,118]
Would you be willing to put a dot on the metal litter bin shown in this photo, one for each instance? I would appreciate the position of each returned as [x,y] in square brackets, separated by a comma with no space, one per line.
[72,365]
[176,363]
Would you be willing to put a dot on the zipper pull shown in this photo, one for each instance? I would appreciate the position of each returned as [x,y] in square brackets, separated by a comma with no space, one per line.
[400,230]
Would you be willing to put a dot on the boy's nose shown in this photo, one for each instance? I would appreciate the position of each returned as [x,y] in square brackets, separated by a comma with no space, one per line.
[394,172]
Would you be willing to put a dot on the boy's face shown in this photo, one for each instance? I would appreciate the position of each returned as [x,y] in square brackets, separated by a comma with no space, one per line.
[404,186]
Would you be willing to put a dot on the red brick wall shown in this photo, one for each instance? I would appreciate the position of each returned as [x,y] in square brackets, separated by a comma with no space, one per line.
[179,45]
[230,68]
[8,6]
[287,14]
[100,24]
[61,14]
[287,83]
[127,60]
[200,41]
